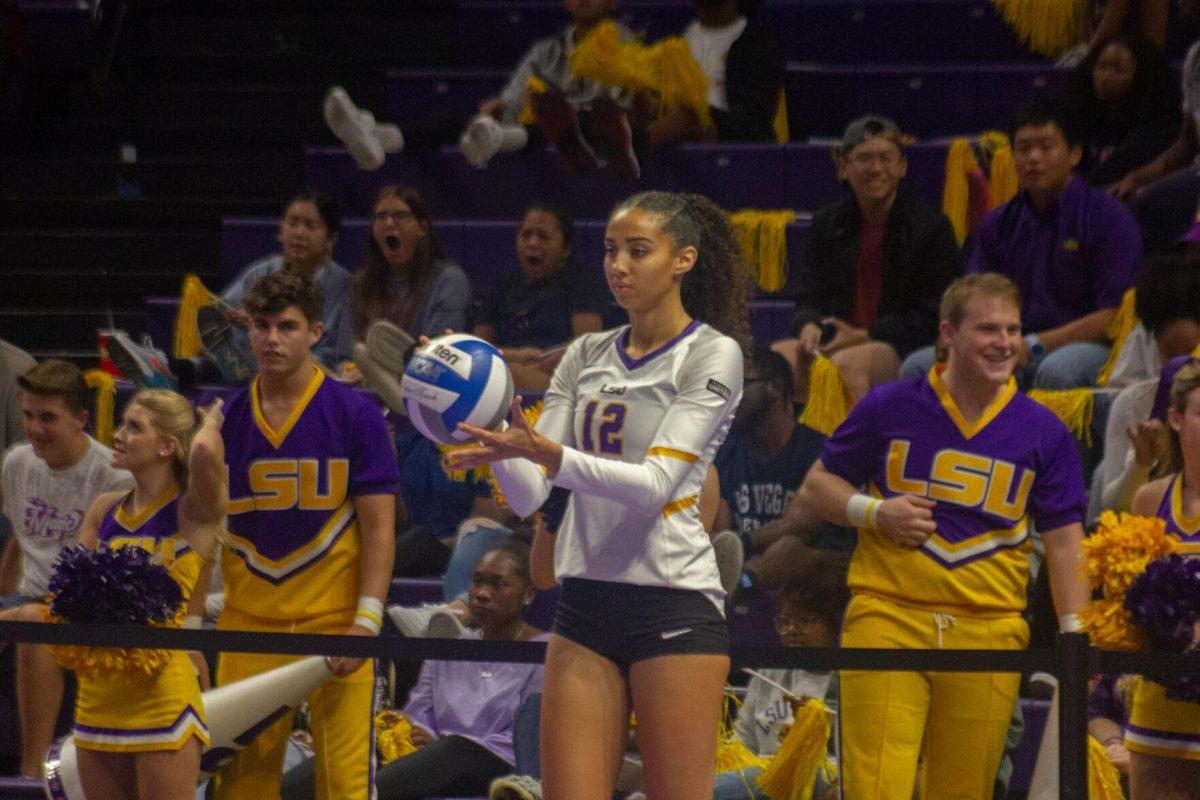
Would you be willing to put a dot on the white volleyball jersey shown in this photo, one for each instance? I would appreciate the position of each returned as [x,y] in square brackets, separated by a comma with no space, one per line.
[638,437]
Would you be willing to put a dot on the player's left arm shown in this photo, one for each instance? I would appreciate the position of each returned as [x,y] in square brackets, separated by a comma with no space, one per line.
[1068,576]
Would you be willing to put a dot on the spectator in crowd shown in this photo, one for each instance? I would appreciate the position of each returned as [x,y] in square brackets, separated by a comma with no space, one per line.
[1126,105]
[811,606]
[1168,304]
[318,563]
[875,267]
[14,362]
[308,230]
[745,77]
[760,466]
[1164,191]
[48,485]
[580,118]
[1108,707]
[550,299]
[408,280]
[1070,249]
[463,713]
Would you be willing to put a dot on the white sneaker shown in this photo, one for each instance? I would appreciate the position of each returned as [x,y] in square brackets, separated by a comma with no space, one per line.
[731,557]
[143,365]
[413,621]
[481,140]
[445,624]
[355,128]
[389,136]
[515,787]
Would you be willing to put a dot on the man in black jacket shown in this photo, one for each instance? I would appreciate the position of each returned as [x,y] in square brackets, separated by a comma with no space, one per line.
[745,78]
[875,266]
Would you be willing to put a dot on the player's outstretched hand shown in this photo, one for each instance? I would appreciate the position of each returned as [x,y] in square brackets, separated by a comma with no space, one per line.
[520,440]
[906,519]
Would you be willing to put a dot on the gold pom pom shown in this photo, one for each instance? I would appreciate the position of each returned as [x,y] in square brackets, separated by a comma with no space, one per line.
[791,773]
[393,735]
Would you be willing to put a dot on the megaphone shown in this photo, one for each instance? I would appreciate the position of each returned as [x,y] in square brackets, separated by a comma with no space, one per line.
[235,714]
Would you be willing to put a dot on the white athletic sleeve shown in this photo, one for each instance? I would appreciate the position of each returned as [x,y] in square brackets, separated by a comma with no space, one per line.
[524,484]
[710,388]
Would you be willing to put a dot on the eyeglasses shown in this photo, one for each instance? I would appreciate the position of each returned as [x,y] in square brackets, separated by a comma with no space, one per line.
[885,159]
[397,217]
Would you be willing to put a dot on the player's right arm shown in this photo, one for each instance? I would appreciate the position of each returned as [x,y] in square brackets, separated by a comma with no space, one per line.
[904,518]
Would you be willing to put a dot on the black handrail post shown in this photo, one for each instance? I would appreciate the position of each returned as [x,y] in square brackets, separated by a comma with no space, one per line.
[1072,716]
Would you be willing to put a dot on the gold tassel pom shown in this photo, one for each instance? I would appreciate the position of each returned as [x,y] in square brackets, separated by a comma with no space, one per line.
[484,472]
[393,735]
[1002,176]
[1073,406]
[104,423]
[1104,782]
[192,297]
[792,771]
[732,754]
[135,664]
[829,401]
[762,236]
[534,85]
[1049,27]
[955,193]
[1119,328]
[666,68]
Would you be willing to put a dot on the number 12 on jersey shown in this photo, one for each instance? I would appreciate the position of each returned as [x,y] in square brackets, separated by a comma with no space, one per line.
[602,431]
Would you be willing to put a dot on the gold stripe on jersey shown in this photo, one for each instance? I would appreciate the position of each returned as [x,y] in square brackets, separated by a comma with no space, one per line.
[671,452]
[976,546]
[1189,525]
[970,429]
[276,437]
[675,506]
[300,558]
[131,522]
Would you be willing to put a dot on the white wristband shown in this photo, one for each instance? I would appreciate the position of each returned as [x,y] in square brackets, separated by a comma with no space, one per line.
[1069,623]
[369,614]
[193,622]
[863,510]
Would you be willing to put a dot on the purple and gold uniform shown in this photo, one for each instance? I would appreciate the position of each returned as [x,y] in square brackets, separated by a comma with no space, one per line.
[963,588]
[126,713]
[1158,725]
[294,563]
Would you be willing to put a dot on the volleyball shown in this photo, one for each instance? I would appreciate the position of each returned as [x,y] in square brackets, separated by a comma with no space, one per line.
[453,379]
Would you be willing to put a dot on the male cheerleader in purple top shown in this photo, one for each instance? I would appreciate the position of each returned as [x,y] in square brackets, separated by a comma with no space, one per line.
[311,517]
[942,475]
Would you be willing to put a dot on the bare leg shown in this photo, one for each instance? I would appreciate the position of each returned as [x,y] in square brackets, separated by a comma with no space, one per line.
[107,776]
[585,715]
[677,700]
[39,684]
[1161,778]
[168,775]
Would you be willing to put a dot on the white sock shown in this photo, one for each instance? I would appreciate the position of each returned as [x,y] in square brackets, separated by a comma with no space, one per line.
[389,136]
[513,137]
[481,140]
[354,127]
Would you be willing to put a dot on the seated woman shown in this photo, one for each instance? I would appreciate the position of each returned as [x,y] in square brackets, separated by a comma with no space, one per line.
[545,303]
[1126,105]
[175,510]
[308,231]
[408,280]
[463,712]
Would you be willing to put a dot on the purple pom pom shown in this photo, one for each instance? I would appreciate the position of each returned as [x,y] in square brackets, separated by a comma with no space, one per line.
[1165,602]
[121,586]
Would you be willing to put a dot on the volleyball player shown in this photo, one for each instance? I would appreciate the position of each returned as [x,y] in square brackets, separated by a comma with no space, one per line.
[631,422]
[953,466]
[1163,735]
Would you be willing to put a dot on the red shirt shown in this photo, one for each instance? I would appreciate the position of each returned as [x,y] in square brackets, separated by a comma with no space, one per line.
[868,274]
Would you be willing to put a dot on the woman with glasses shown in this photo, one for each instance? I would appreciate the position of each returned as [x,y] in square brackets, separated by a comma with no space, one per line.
[408,280]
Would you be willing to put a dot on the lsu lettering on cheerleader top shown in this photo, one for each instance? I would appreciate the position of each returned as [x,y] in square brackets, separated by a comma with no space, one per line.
[125,713]
[1017,463]
[295,547]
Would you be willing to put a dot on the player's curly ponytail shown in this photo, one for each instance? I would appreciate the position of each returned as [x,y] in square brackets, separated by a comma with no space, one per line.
[714,291]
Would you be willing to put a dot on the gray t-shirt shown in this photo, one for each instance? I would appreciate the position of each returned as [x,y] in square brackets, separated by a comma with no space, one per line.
[46,507]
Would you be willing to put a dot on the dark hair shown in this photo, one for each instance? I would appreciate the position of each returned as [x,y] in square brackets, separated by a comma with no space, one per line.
[774,368]
[566,223]
[1153,95]
[57,378]
[818,585]
[714,290]
[327,208]
[1044,111]
[518,551]
[372,286]
[1168,288]
[273,293]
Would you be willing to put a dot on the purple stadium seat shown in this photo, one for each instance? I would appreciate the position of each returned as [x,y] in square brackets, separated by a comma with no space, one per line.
[751,620]
[1025,756]
[414,591]
[771,320]
[161,312]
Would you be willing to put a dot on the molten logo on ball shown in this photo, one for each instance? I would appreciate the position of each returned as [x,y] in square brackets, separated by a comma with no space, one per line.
[453,379]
